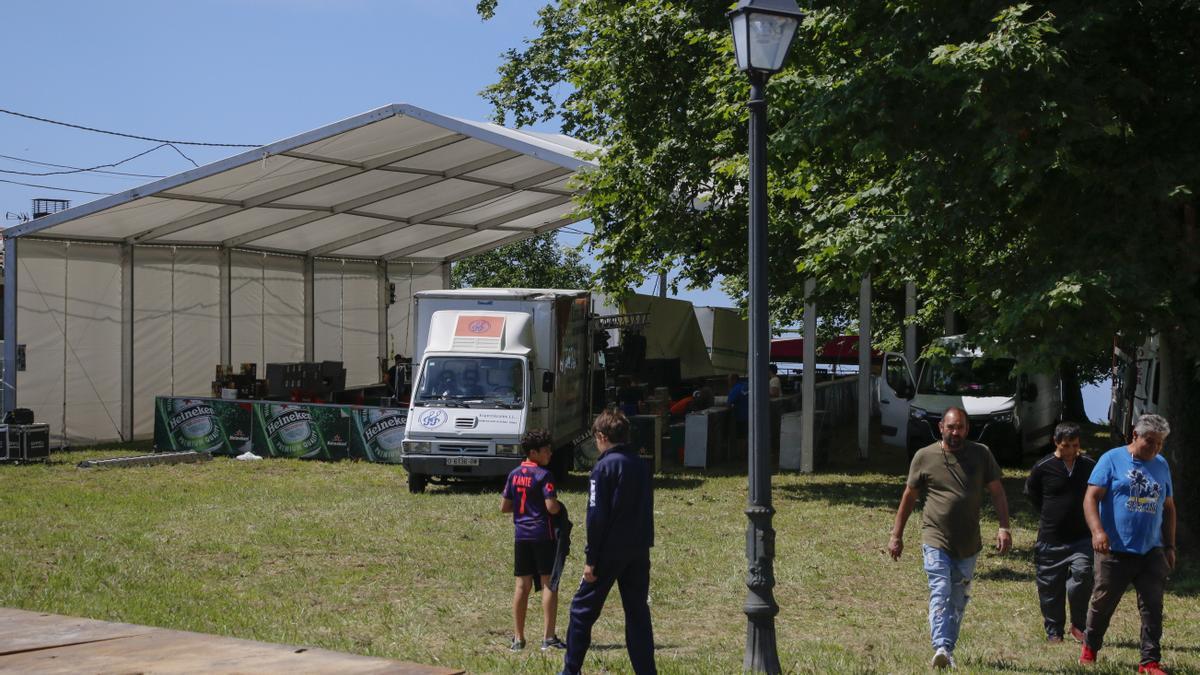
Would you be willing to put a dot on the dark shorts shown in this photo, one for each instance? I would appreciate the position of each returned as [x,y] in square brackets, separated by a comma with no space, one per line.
[533,557]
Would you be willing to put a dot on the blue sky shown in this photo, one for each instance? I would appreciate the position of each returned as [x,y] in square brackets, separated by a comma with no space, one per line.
[230,71]
[235,71]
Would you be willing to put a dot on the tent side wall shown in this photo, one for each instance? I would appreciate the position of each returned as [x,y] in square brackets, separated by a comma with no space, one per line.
[94,365]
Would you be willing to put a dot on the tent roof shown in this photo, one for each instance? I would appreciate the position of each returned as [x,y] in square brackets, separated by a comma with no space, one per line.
[395,183]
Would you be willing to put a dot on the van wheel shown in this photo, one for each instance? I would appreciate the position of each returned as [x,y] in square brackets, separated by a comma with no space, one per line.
[1011,456]
[417,483]
[560,463]
[913,446]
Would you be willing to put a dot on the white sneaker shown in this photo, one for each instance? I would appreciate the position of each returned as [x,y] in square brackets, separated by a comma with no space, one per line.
[942,658]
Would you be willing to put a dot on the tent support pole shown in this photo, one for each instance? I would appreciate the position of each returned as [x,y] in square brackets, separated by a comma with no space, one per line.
[310,308]
[10,324]
[226,270]
[808,383]
[910,327]
[382,330]
[864,365]
[127,401]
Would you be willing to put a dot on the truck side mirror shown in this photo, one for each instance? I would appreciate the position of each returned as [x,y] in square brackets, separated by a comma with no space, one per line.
[547,382]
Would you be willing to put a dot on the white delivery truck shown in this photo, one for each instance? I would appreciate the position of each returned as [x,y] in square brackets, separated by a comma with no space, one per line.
[495,363]
[1010,414]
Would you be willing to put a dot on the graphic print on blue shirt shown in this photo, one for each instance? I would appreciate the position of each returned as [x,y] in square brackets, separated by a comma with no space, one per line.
[1144,492]
[528,487]
[1131,509]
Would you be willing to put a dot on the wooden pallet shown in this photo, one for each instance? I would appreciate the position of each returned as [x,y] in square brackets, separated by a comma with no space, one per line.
[35,642]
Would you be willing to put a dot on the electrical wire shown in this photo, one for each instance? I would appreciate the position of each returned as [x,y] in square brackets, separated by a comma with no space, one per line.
[51,187]
[76,168]
[93,168]
[125,135]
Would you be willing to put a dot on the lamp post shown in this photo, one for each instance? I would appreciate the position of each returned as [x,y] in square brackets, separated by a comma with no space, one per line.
[762,34]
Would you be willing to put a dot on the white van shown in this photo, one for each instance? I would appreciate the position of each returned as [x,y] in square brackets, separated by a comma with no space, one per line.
[1008,413]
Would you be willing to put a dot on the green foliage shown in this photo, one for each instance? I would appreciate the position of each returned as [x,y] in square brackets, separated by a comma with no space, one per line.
[1029,164]
[536,262]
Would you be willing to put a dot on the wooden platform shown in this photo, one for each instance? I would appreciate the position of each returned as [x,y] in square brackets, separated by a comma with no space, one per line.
[35,642]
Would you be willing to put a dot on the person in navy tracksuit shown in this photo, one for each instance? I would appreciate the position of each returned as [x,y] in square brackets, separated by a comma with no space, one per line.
[620,532]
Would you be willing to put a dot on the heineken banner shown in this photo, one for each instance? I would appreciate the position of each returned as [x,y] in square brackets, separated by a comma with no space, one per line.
[279,429]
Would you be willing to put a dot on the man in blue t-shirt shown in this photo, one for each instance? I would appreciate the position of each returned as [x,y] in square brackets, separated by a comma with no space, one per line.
[530,496]
[1130,509]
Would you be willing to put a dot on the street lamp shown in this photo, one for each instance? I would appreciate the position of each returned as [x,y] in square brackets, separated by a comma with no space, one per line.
[762,34]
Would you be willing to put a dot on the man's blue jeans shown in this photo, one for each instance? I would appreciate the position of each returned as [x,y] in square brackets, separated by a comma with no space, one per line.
[949,591]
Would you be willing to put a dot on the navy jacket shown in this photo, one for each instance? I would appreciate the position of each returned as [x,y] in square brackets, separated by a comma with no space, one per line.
[620,513]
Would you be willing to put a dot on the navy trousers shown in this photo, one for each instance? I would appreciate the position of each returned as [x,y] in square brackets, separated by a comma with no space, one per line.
[633,580]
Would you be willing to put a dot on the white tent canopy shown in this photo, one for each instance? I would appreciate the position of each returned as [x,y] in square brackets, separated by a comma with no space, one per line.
[281,253]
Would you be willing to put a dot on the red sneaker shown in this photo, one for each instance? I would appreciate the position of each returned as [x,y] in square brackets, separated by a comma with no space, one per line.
[1153,668]
[1076,634]
[1087,657]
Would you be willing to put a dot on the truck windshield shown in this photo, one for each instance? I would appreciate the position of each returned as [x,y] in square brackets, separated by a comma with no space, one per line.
[471,381]
[968,376]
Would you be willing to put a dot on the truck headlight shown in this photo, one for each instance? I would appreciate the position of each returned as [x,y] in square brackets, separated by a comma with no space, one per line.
[508,449]
[916,413]
[1003,418]
[416,447]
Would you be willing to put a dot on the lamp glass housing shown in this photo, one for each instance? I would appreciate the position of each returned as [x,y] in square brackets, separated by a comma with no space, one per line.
[761,40]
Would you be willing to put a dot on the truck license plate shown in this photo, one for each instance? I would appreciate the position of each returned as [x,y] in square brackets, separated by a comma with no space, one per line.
[462,461]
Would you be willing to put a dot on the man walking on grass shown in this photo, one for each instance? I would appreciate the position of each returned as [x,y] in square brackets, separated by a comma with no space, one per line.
[620,532]
[1063,552]
[951,475]
[1130,509]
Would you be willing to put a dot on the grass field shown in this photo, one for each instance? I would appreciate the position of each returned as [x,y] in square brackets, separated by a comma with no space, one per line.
[340,556]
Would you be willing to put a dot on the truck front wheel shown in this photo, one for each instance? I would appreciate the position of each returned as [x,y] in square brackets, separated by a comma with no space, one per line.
[561,462]
[417,482]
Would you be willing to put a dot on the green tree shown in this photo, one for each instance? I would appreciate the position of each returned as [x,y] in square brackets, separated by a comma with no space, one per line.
[1031,165]
[536,262]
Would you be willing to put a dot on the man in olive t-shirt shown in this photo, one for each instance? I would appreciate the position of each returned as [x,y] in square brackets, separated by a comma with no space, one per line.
[951,476]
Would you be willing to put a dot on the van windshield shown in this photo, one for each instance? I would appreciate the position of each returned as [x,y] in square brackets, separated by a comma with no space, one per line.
[968,376]
[471,381]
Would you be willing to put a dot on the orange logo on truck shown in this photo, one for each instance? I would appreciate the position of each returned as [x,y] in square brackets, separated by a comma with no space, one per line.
[479,326]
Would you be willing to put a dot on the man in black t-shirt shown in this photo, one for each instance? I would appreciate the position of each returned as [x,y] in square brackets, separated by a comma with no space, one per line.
[1063,552]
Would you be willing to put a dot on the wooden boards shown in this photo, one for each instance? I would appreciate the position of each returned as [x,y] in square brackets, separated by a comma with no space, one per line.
[49,643]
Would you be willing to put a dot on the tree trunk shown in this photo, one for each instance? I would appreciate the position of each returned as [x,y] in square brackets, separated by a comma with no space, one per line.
[1072,394]
[1181,384]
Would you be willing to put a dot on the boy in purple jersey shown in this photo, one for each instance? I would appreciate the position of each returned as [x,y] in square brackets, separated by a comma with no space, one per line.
[529,495]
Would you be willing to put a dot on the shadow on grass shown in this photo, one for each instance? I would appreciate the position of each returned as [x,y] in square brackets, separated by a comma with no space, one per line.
[1005,574]
[620,646]
[1137,646]
[866,493]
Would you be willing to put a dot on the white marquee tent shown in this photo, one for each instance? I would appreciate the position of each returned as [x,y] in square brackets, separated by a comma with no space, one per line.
[283,253]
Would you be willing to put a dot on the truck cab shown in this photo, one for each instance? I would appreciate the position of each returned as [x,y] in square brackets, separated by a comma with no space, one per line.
[1009,413]
[495,363]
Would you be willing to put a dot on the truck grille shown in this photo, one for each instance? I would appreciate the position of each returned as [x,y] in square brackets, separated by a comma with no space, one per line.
[465,423]
[463,449]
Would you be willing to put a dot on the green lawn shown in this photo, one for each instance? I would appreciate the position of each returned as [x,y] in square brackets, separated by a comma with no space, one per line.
[340,556]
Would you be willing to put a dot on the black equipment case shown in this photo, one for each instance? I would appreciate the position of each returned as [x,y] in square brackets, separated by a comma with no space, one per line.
[24,442]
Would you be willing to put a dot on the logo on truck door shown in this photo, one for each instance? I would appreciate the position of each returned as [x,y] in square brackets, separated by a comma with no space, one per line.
[432,419]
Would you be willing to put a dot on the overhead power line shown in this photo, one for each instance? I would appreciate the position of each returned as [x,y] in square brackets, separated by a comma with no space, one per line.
[76,168]
[125,135]
[51,187]
[93,168]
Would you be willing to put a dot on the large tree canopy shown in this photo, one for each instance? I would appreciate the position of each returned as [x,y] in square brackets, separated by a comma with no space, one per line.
[1032,165]
[536,262]
[1028,164]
